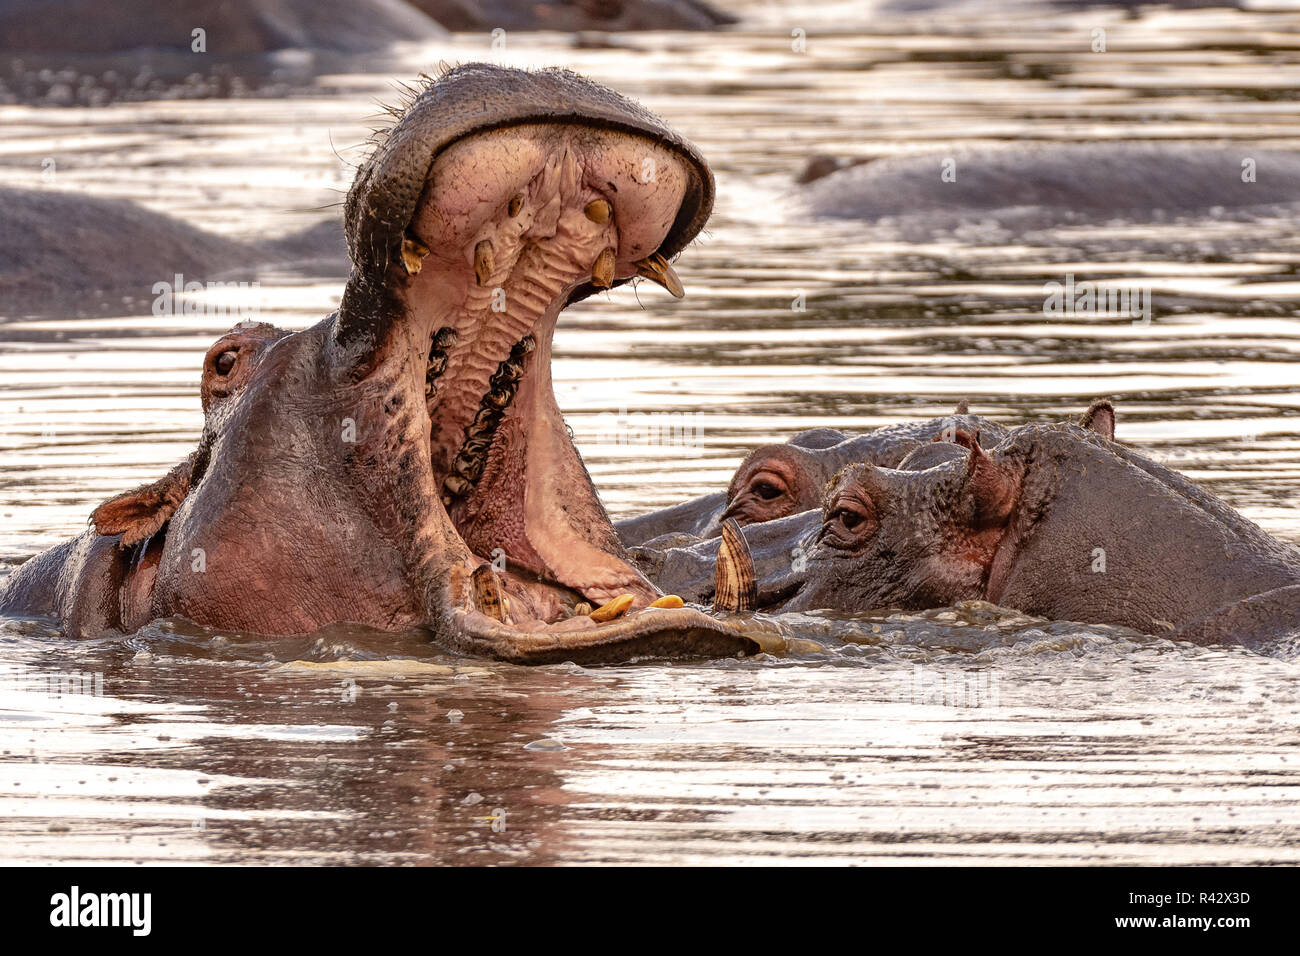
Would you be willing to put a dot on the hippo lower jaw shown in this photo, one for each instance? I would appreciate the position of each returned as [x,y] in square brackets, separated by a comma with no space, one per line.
[509,225]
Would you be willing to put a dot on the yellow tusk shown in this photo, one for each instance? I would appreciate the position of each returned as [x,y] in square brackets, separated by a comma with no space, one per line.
[483,262]
[615,608]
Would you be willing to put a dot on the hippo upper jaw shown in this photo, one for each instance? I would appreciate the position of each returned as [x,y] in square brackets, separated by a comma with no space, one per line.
[451,310]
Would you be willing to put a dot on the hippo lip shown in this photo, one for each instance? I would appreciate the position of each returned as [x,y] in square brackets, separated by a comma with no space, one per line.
[512,222]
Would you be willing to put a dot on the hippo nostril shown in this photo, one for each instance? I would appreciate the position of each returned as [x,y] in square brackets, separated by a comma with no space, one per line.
[225,362]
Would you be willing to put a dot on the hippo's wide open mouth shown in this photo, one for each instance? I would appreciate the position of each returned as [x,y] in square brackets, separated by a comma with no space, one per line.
[514,220]
[511,224]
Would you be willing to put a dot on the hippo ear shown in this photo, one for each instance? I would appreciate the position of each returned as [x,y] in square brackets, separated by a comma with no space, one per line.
[959,437]
[963,408]
[137,515]
[993,492]
[1100,418]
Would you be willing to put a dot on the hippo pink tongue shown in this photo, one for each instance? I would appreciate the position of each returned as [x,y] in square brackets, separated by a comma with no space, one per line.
[510,223]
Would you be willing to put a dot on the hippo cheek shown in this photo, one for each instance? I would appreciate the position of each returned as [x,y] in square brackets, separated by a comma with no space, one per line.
[517,555]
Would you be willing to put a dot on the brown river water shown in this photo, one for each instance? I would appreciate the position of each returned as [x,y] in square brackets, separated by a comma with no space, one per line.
[957,736]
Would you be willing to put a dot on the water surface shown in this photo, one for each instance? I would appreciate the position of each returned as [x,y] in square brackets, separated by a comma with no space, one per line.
[956,736]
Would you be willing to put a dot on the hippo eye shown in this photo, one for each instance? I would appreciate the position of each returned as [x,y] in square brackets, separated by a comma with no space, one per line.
[847,525]
[766,490]
[849,518]
[225,362]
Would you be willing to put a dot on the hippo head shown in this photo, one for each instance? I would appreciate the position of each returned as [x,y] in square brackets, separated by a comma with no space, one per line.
[404,462]
[935,530]
[909,539]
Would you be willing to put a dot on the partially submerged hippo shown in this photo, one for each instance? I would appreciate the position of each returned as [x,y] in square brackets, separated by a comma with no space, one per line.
[123,250]
[778,480]
[612,15]
[773,551]
[240,27]
[1059,522]
[403,463]
[230,27]
[1027,187]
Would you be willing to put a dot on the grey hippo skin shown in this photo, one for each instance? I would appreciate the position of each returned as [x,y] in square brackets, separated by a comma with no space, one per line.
[779,543]
[122,250]
[607,15]
[403,463]
[231,27]
[778,480]
[1059,522]
[243,27]
[1036,186]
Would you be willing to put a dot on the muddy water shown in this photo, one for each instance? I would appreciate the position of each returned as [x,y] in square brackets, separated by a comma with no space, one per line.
[963,735]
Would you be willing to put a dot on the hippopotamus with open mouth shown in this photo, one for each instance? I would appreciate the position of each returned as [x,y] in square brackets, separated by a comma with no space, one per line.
[1059,522]
[403,463]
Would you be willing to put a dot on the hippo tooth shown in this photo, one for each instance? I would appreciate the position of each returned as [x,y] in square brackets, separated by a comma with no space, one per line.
[668,600]
[598,211]
[487,592]
[734,586]
[612,609]
[507,374]
[484,265]
[499,399]
[457,485]
[468,468]
[582,609]
[516,204]
[413,253]
[602,270]
[657,270]
[526,344]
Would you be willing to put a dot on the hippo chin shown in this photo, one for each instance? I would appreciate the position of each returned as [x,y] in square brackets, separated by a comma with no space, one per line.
[1059,522]
[403,463]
